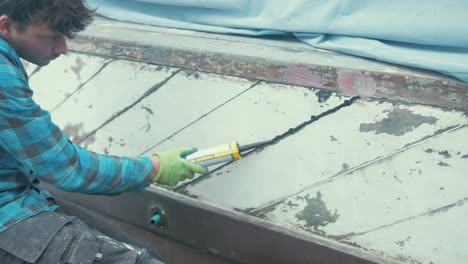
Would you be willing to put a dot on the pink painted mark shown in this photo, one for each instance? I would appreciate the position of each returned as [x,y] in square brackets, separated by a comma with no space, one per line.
[300,75]
[353,83]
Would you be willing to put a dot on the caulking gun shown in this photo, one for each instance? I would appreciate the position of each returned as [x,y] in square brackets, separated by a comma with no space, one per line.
[223,153]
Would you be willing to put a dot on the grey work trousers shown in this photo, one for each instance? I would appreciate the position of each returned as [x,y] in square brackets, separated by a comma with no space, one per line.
[51,237]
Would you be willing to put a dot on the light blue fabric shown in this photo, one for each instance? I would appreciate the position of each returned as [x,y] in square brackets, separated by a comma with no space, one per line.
[431,35]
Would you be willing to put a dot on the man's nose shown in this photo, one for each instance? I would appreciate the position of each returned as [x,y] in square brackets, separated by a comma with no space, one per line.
[61,46]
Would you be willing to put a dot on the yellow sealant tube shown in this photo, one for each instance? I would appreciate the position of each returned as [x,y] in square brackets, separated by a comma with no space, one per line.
[216,155]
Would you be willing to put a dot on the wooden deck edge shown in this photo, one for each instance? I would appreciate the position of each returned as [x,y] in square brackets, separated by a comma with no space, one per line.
[226,234]
[431,89]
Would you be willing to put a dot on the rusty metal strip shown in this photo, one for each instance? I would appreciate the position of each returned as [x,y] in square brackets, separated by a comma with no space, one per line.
[430,88]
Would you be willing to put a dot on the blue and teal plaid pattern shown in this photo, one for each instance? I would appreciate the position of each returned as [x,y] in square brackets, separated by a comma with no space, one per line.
[32,148]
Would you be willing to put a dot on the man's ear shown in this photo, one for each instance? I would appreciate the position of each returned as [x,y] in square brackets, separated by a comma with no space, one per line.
[6,26]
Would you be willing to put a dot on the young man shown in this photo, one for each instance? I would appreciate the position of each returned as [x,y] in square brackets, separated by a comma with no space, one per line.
[32,148]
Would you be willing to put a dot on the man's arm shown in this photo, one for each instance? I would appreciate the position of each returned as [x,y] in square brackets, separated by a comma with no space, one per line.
[28,134]
[171,166]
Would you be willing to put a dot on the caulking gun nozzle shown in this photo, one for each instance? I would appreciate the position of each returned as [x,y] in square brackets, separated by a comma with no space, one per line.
[254,145]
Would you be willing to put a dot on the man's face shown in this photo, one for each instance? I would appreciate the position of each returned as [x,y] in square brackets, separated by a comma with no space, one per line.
[37,44]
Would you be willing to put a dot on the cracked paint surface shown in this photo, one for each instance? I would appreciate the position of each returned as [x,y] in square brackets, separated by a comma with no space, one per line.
[74,70]
[310,156]
[398,122]
[163,113]
[404,243]
[392,193]
[386,170]
[323,95]
[316,213]
[438,238]
[117,87]
[249,125]
[285,104]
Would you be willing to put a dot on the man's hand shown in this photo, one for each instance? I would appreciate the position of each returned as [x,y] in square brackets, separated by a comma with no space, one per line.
[173,167]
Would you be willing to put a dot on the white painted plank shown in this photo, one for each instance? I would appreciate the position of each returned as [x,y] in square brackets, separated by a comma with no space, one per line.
[259,114]
[116,87]
[182,100]
[29,67]
[427,176]
[55,82]
[336,144]
[438,238]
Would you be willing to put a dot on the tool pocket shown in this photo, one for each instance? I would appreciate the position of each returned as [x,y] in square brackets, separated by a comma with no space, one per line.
[29,239]
[82,248]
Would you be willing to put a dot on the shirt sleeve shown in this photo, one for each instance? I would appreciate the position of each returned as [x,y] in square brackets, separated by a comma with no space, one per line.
[28,134]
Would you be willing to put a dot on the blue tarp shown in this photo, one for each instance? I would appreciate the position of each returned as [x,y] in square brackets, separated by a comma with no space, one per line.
[432,34]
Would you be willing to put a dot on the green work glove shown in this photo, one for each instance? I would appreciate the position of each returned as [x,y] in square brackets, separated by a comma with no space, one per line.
[173,167]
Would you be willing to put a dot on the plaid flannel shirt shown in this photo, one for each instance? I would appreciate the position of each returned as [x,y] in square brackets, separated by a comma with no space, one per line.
[33,148]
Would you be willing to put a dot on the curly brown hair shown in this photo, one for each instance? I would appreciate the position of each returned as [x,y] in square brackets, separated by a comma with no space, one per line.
[67,17]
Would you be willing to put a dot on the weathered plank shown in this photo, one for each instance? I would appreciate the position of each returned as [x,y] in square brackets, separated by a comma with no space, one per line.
[438,237]
[353,137]
[114,90]
[427,176]
[182,100]
[61,78]
[259,114]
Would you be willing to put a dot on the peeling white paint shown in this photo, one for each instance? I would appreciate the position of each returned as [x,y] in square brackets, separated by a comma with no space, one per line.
[259,114]
[438,238]
[58,80]
[118,85]
[182,100]
[312,156]
[367,165]
[402,186]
